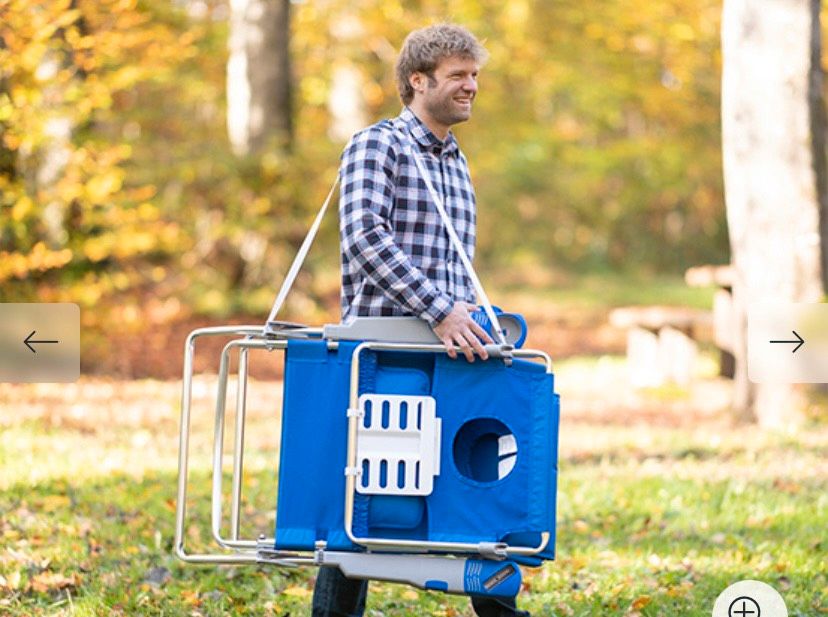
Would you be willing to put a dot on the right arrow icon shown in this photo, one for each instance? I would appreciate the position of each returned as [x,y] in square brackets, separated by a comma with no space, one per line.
[799,340]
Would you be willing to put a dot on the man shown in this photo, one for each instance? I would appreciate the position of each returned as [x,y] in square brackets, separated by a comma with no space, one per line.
[397,258]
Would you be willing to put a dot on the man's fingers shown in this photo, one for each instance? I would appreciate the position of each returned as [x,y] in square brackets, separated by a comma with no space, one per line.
[481,333]
[458,329]
[477,345]
[465,347]
[452,353]
[481,351]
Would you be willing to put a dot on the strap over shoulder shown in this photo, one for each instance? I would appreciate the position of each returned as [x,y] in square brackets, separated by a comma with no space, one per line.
[406,143]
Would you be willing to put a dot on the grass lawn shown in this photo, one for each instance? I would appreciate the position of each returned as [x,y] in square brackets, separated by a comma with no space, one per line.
[662,504]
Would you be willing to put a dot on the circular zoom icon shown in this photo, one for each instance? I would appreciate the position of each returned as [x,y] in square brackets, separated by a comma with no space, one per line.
[744,606]
[750,599]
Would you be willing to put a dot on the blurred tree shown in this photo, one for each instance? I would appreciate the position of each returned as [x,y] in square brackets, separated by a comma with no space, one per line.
[595,142]
[258,76]
[73,226]
[775,176]
[7,158]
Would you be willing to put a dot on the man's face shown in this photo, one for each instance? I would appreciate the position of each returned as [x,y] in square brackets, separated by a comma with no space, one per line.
[448,95]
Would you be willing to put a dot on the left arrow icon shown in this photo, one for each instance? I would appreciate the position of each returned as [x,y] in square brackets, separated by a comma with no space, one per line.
[29,342]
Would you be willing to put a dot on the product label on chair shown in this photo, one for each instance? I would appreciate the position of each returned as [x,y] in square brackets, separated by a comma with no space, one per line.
[398,445]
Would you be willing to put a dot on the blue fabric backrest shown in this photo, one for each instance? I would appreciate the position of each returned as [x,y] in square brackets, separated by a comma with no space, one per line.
[474,401]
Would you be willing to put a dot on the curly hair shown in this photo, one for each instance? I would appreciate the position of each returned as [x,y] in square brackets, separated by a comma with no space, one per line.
[423,49]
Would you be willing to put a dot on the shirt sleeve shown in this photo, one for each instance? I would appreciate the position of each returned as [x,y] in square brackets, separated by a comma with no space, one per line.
[367,240]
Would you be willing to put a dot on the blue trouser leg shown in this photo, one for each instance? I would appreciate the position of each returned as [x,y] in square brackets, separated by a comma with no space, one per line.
[496,607]
[334,595]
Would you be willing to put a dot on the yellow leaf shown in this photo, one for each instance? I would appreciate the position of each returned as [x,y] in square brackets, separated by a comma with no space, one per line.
[297,592]
[640,602]
[22,208]
[410,595]
[10,582]
[52,503]
[190,597]
[102,186]
[683,32]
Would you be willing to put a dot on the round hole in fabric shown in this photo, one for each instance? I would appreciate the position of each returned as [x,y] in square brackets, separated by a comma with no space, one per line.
[485,450]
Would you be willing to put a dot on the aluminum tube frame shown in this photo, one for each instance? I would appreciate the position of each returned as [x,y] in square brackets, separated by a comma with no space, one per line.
[245,552]
[259,551]
[184,448]
[238,444]
[218,440]
[487,549]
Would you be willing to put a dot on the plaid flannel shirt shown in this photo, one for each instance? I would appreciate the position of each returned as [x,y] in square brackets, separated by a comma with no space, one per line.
[396,255]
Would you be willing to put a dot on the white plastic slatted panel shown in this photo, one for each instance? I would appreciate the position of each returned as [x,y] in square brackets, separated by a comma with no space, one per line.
[398,445]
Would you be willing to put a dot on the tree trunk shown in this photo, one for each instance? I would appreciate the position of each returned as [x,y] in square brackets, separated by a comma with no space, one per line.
[345,103]
[774,172]
[346,98]
[258,76]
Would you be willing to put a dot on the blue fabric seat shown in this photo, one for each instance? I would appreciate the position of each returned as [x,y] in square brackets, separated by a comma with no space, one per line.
[479,495]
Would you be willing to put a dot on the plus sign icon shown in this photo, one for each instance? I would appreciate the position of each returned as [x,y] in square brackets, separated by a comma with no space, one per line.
[750,599]
[744,606]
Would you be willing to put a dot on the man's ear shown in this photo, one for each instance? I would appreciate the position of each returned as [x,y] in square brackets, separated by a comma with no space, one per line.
[417,81]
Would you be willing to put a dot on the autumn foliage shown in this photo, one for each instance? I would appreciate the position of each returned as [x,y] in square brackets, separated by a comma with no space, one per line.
[595,144]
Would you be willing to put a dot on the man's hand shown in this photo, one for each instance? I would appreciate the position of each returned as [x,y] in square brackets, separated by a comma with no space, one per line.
[458,328]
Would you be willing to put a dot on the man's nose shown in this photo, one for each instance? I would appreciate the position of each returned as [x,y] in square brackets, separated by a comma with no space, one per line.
[470,84]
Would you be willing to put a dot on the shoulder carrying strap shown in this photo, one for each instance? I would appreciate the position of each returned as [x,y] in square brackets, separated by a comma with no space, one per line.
[458,246]
[287,284]
[300,256]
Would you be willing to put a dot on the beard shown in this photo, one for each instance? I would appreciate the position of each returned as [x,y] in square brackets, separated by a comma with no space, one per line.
[446,111]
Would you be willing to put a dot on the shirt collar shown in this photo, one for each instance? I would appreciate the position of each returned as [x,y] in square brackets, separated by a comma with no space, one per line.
[423,135]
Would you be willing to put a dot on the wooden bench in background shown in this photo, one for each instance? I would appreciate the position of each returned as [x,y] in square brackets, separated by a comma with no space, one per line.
[661,343]
[722,278]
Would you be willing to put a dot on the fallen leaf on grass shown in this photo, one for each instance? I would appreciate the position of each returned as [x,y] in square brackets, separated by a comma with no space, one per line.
[655,561]
[640,602]
[565,610]
[190,598]
[19,556]
[11,534]
[792,488]
[297,592]
[680,590]
[580,526]
[51,503]
[10,582]
[53,581]
[410,595]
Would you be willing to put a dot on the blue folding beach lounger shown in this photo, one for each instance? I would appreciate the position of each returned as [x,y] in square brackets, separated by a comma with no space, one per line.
[396,462]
